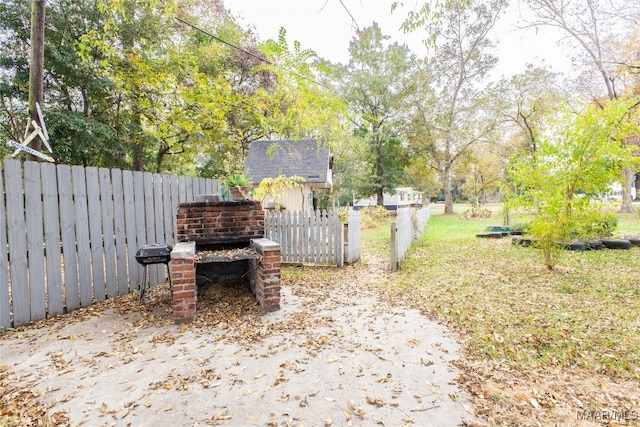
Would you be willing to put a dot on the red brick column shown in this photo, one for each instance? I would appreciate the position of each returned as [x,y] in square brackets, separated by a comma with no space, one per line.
[265,276]
[183,279]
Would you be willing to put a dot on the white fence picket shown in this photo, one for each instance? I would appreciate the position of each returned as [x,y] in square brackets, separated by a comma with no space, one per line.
[316,237]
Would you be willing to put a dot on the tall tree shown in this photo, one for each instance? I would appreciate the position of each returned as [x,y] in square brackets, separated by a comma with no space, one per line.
[375,83]
[596,27]
[527,101]
[76,101]
[456,118]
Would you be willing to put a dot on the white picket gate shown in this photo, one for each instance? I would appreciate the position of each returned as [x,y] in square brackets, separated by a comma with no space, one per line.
[313,237]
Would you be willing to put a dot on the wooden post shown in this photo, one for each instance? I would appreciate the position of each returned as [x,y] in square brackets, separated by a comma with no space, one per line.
[36,67]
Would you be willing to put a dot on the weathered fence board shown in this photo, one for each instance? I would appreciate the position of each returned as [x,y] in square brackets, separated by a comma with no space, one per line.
[68,233]
[35,246]
[175,200]
[17,244]
[95,234]
[119,232]
[55,300]
[167,209]
[83,228]
[5,306]
[130,215]
[83,238]
[106,204]
[307,237]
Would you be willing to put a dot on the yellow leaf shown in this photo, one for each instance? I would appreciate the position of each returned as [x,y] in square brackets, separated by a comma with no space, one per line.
[103,408]
[377,402]
[222,416]
[383,379]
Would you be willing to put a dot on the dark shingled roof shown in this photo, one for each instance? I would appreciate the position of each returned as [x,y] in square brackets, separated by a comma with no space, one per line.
[305,158]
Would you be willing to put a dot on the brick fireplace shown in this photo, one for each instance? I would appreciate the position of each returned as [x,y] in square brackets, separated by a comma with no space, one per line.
[223,242]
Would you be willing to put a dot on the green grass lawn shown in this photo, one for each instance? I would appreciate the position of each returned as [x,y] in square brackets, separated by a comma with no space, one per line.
[585,313]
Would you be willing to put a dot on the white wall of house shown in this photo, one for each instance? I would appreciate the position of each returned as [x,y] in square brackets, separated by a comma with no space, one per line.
[401,196]
[296,199]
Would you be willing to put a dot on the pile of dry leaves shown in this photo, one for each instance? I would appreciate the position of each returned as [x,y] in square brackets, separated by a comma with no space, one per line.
[20,406]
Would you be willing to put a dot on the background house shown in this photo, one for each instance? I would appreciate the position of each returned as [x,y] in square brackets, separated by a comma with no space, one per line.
[304,158]
[401,197]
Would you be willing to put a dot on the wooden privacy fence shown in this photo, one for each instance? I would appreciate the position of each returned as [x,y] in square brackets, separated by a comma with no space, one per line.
[409,225]
[313,237]
[69,235]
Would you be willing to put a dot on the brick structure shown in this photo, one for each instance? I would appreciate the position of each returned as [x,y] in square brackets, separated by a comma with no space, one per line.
[265,274]
[183,279]
[223,225]
[220,223]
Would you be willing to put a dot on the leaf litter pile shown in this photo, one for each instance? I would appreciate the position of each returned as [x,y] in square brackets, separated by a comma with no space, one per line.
[336,356]
[543,347]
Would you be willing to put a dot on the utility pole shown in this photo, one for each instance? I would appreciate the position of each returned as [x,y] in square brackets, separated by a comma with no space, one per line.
[36,66]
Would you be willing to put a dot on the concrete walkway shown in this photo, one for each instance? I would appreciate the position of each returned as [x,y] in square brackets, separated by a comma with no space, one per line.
[333,355]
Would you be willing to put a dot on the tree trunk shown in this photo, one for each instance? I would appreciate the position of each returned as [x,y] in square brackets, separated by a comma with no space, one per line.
[627,197]
[445,176]
[379,166]
[379,196]
[138,157]
[137,154]
[36,67]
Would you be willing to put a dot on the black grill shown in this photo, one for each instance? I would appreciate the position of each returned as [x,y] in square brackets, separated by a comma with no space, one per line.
[155,253]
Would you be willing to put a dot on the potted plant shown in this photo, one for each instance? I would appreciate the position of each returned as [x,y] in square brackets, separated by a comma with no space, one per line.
[237,185]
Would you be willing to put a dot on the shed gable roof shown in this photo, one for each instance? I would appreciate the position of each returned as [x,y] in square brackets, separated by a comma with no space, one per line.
[305,158]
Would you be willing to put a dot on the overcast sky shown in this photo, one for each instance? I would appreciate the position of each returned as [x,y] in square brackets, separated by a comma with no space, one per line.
[326,27]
